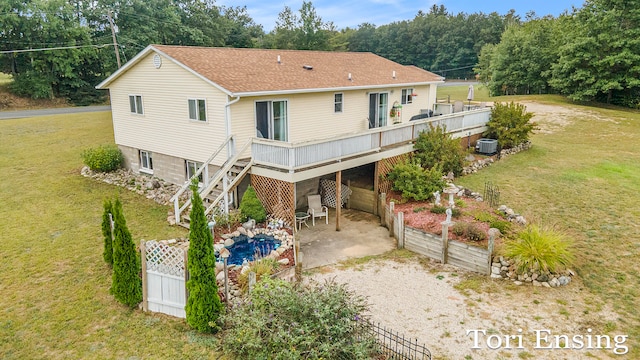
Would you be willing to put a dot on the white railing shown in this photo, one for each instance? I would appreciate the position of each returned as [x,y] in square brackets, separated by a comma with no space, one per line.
[176,198]
[292,156]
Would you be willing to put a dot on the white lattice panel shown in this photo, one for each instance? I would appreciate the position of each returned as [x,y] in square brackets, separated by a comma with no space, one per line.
[328,192]
[165,259]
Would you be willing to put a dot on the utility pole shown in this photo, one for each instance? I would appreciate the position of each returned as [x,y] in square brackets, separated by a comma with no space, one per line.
[115,41]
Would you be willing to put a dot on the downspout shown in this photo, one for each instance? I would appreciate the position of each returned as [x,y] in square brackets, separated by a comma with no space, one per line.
[231,149]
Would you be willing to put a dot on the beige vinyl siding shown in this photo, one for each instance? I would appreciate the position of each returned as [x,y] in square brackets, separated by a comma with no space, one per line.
[312,116]
[165,127]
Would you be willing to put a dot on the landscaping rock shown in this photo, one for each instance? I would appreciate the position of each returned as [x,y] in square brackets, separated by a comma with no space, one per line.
[284,261]
[564,280]
[229,242]
[242,230]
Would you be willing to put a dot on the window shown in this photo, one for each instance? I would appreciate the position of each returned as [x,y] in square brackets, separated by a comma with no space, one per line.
[407,96]
[272,120]
[192,168]
[197,109]
[146,162]
[135,104]
[337,102]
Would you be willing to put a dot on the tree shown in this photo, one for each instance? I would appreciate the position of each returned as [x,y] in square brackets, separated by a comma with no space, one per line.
[126,285]
[510,124]
[203,305]
[304,32]
[600,57]
[251,207]
[435,147]
[106,232]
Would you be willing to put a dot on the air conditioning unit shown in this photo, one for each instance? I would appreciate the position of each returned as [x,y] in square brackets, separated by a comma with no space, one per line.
[487,146]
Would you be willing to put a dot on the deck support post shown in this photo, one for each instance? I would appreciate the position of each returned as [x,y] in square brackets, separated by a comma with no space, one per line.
[338,198]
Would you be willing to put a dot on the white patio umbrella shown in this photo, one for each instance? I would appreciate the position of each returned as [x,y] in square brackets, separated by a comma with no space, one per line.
[470,94]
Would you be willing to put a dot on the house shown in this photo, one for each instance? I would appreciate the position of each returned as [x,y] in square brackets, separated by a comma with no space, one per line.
[286,117]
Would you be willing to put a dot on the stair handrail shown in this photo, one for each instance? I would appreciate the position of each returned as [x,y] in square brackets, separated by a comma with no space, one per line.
[226,166]
[187,183]
[231,186]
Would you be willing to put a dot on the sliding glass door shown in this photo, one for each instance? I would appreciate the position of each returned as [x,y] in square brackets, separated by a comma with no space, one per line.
[271,120]
[378,109]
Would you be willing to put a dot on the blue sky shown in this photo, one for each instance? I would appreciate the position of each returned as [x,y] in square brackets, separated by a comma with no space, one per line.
[351,13]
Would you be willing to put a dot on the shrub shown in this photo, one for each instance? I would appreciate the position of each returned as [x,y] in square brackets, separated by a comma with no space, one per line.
[436,147]
[538,248]
[469,230]
[231,219]
[203,305]
[455,212]
[107,254]
[484,216]
[414,182]
[126,285]
[263,268]
[280,321]
[502,225]
[251,207]
[474,233]
[459,228]
[510,124]
[104,158]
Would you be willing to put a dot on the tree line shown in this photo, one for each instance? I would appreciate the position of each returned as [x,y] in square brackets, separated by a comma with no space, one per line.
[588,54]
[591,53]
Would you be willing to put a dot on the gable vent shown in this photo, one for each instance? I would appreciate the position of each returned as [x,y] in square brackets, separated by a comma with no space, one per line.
[307,67]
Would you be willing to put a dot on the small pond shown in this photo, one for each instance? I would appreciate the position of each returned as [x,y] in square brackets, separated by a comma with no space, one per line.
[248,249]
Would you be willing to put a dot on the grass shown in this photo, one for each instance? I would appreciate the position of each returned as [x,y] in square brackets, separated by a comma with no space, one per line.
[5,79]
[585,179]
[55,301]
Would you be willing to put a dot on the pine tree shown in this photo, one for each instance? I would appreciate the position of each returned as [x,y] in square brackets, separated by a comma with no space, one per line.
[126,284]
[106,232]
[204,305]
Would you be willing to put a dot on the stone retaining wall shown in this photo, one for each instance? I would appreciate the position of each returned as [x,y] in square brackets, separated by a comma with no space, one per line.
[503,268]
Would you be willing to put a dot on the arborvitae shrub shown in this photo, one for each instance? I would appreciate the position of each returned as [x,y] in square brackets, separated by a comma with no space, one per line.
[203,305]
[251,207]
[126,284]
[106,232]
[103,158]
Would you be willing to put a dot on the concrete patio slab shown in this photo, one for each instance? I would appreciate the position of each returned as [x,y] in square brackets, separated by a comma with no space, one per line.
[360,235]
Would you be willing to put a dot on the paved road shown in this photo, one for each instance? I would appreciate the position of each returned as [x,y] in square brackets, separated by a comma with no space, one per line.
[459,83]
[4,115]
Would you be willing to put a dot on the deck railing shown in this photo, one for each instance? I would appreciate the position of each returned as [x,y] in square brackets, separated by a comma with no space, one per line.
[292,156]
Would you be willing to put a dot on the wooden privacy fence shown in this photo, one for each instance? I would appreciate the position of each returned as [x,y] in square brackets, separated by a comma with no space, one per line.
[164,277]
[438,247]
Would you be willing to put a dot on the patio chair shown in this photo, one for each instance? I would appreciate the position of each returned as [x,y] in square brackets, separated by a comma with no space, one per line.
[316,209]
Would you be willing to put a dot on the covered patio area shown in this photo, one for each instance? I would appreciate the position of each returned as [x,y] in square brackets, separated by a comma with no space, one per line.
[360,235]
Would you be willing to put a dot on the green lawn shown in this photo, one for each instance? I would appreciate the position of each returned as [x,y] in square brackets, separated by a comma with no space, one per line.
[480,93]
[55,301]
[586,180]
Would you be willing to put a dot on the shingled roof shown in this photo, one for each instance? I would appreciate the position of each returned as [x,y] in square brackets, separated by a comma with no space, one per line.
[256,71]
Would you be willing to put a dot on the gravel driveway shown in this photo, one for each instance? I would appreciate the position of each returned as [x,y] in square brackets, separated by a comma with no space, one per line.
[419,298]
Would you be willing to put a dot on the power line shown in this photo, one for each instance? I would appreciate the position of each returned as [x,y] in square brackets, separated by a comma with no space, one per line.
[458,68]
[53,48]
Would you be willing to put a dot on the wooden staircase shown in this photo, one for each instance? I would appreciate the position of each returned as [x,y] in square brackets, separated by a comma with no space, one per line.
[217,188]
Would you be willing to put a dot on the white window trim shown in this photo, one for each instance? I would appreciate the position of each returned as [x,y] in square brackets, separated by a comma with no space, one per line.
[341,103]
[405,99]
[206,114]
[141,102]
[205,172]
[149,161]
[255,115]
